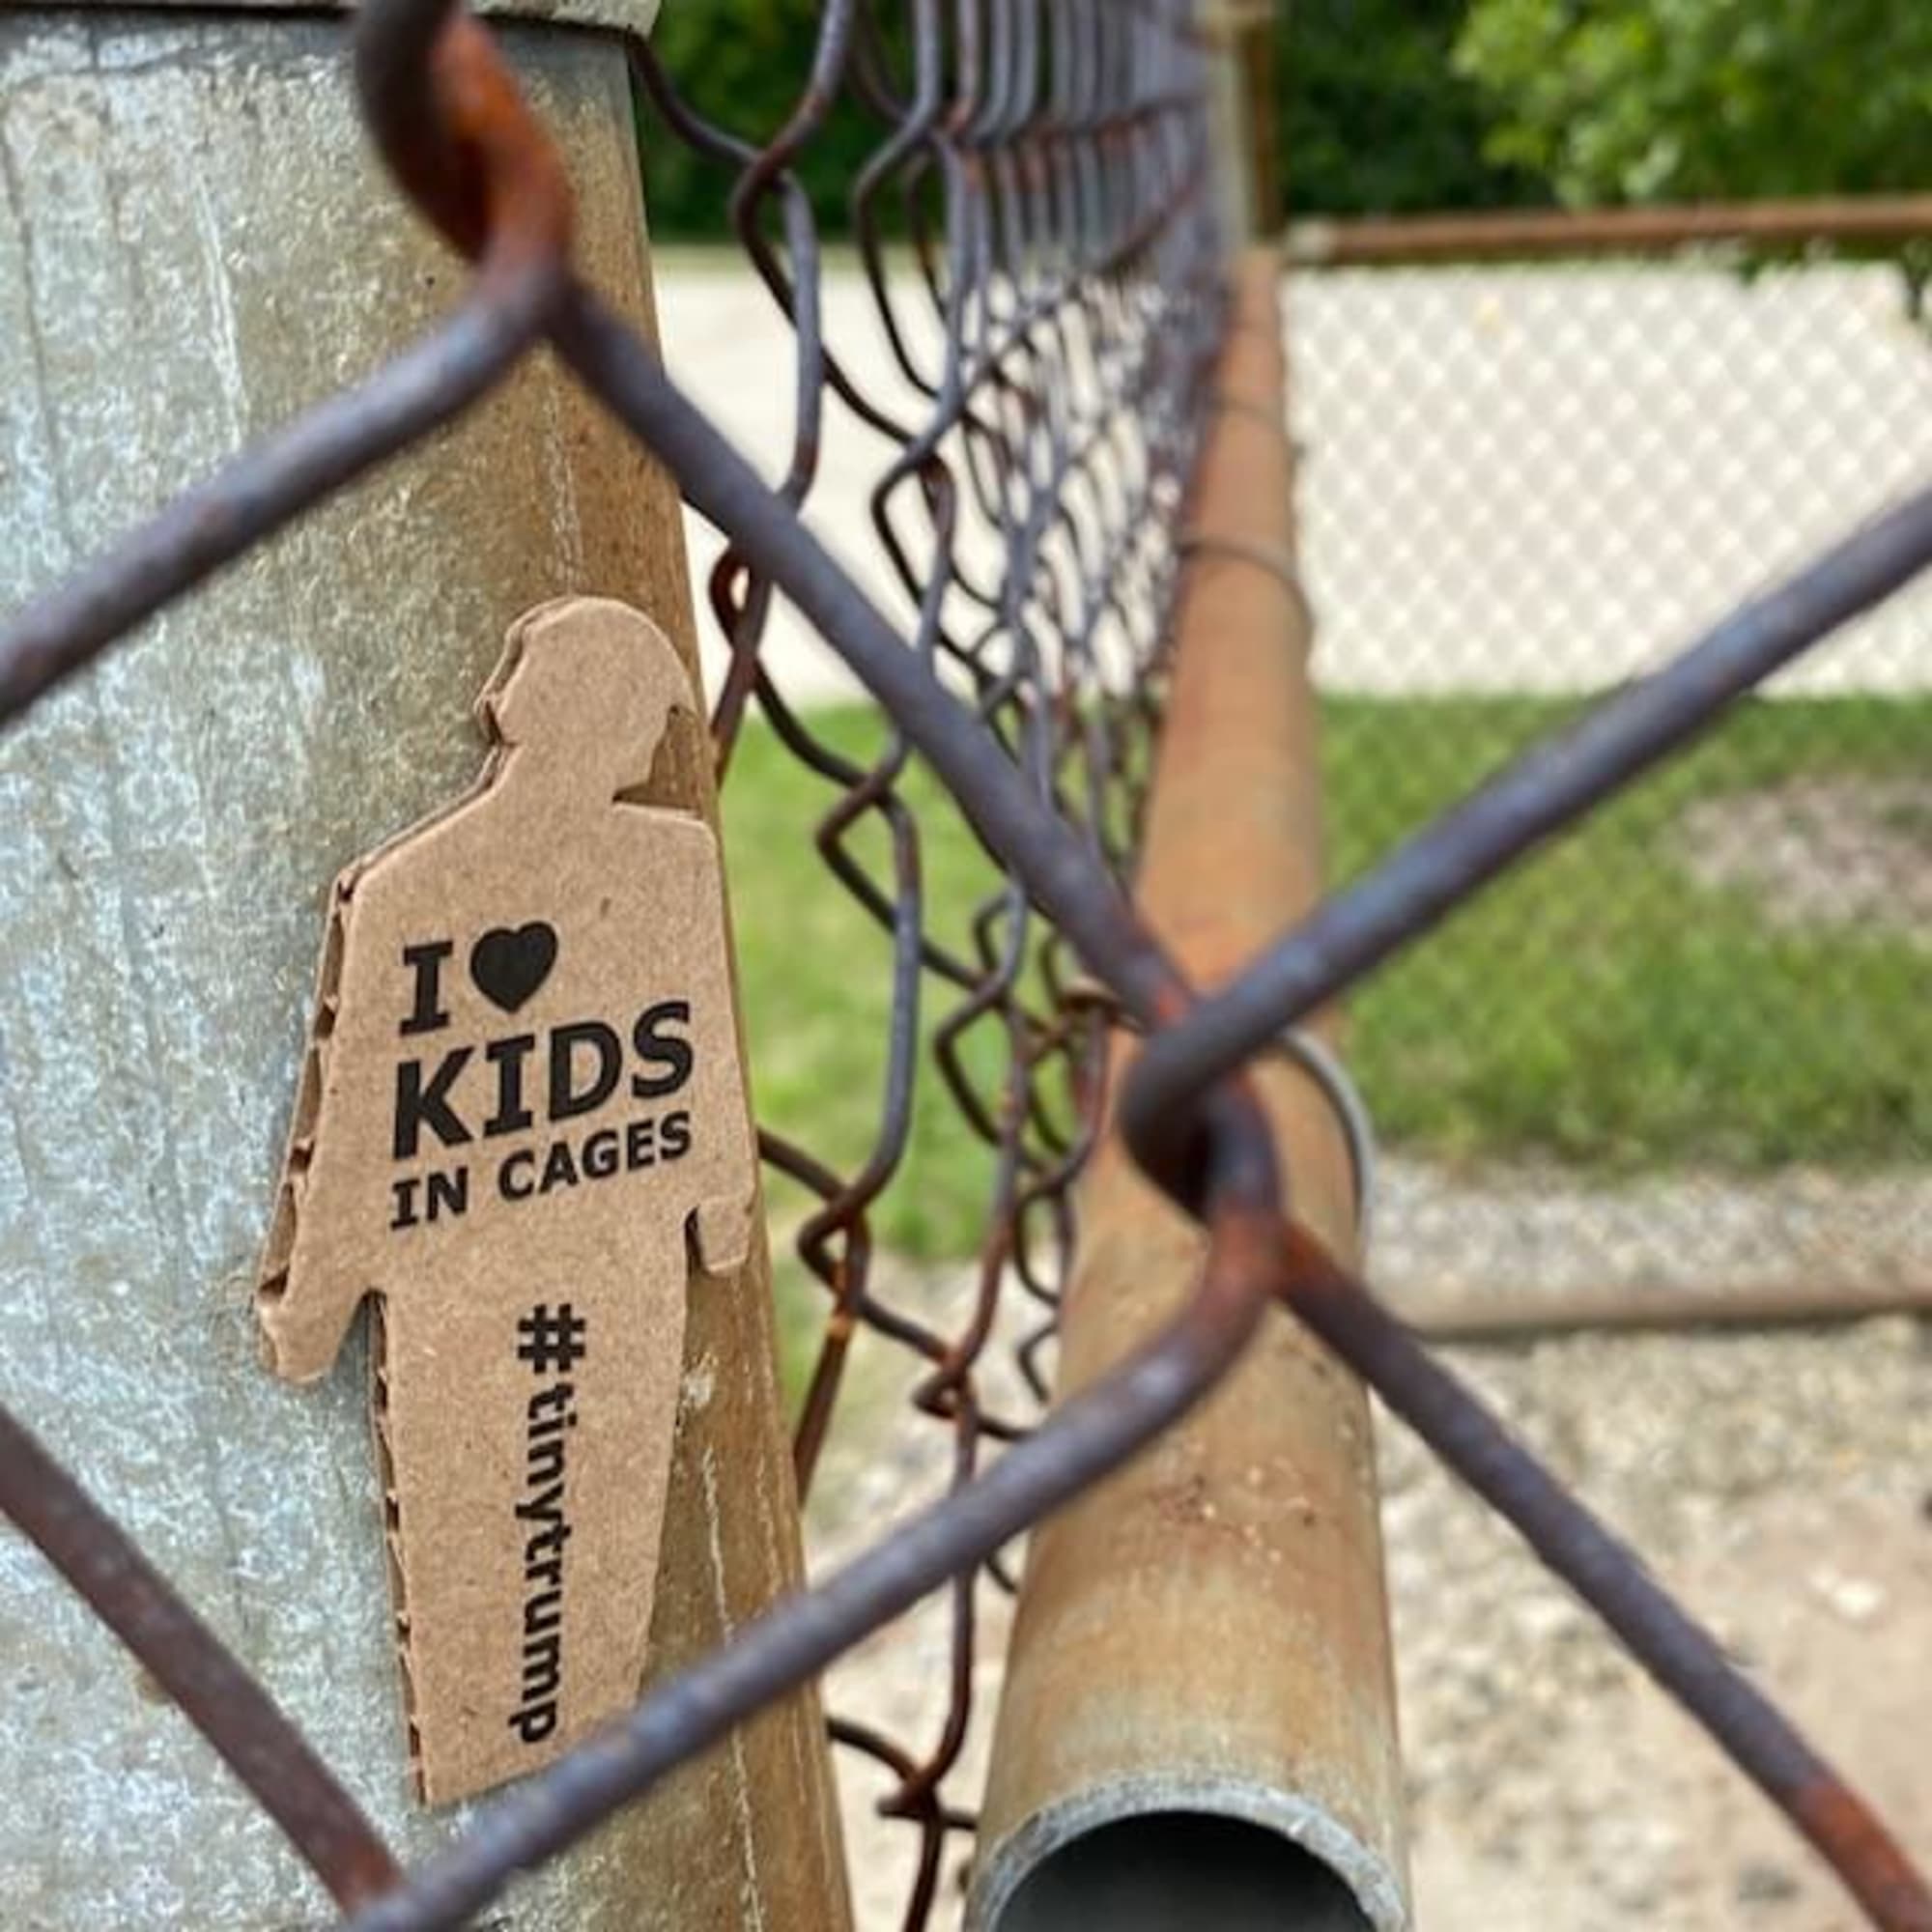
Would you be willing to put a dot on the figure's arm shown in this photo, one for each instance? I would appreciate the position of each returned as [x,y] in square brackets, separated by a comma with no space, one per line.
[315,1271]
[727,1148]
[724,1225]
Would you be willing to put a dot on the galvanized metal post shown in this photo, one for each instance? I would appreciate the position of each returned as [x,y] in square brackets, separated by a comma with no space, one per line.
[1258,45]
[1247,172]
[194,243]
[1198,1725]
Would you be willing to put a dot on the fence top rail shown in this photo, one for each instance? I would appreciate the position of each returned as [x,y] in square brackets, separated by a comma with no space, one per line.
[1529,235]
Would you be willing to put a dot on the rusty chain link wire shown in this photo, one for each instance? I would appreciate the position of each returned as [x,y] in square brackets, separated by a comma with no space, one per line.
[1050,167]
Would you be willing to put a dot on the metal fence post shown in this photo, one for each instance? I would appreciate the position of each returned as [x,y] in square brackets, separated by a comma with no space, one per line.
[1245,121]
[1198,1726]
[195,243]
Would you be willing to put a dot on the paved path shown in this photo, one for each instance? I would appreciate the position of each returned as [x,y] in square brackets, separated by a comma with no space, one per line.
[1548,479]
[1531,479]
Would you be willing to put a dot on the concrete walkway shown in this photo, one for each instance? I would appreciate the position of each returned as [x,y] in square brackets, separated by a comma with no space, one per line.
[1533,479]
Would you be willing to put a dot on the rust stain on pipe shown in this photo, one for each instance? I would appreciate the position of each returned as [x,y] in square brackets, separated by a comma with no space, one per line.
[1199,1717]
[1868,221]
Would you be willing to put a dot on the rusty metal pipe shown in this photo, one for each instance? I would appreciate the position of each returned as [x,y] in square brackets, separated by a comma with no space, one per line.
[1870,221]
[1198,1721]
[1521,1313]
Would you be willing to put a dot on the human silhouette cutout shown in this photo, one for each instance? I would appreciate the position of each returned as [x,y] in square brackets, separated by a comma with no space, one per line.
[521,1126]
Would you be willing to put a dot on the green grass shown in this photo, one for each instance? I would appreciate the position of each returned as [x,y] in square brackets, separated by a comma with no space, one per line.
[1600,1007]
[817,977]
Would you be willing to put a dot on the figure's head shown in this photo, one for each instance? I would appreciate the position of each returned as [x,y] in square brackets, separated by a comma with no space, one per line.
[586,685]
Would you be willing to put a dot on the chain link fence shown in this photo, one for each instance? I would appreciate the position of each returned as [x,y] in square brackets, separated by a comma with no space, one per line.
[995,410]
[1678,1052]
[1046,282]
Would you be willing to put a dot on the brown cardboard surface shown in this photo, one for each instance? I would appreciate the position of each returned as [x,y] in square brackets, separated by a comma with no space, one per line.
[521,1128]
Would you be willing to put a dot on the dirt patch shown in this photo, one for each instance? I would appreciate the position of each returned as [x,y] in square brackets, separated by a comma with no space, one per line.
[1835,853]
[1777,1484]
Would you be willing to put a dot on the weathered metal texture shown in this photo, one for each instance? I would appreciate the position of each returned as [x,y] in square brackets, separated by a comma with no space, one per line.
[1206,1634]
[1608,231]
[636,18]
[195,245]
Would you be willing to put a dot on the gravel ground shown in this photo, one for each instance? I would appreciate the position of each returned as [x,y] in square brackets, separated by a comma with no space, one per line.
[1447,1239]
[1781,1483]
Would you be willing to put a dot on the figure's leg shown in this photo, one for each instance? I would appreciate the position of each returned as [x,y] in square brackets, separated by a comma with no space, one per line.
[529,1438]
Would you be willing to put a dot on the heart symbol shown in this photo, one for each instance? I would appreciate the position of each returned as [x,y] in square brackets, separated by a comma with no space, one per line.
[509,964]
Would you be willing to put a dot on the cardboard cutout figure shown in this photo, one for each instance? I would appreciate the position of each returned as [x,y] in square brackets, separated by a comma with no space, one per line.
[522,1109]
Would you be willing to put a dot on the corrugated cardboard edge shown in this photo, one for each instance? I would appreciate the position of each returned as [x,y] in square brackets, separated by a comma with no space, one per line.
[393,1543]
[275,1270]
[273,1274]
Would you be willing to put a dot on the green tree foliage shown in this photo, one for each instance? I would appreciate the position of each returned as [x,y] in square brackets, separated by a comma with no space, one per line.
[1695,99]
[1376,119]
[1374,115]
[1395,106]
[743,64]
